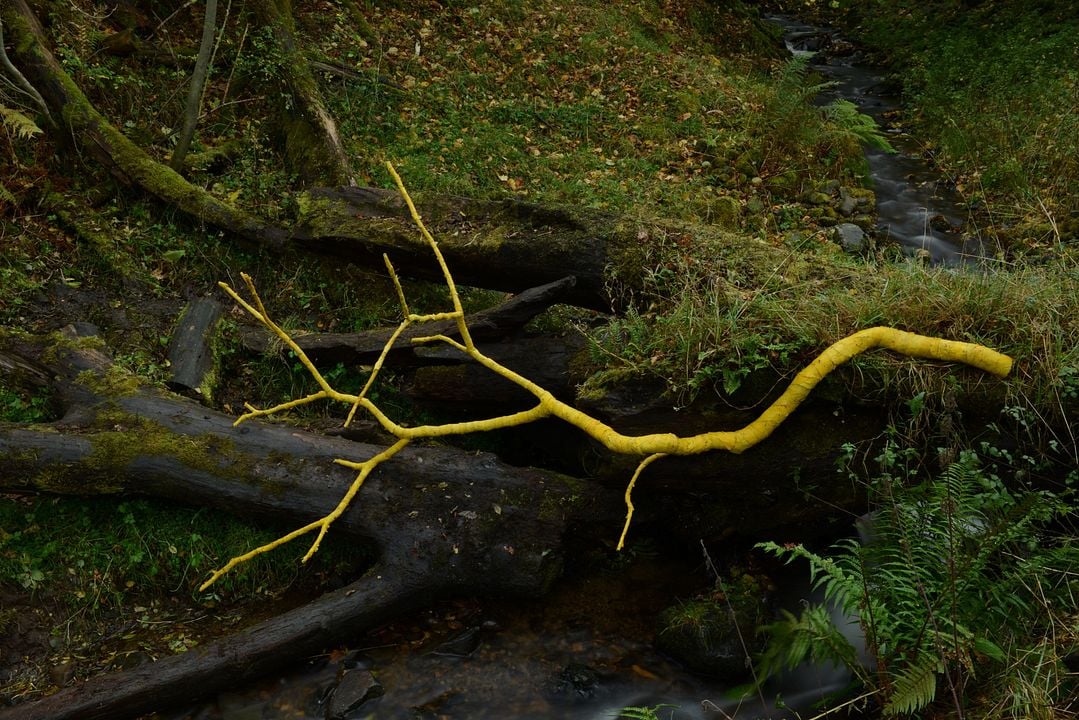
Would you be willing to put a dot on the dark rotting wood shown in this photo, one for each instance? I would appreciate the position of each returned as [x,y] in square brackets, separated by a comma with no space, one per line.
[444,521]
[359,348]
[191,348]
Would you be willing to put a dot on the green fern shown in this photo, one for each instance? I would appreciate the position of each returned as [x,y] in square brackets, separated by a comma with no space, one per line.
[914,687]
[644,713]
[811,636]
[22,127]
[852,121]
[944,589]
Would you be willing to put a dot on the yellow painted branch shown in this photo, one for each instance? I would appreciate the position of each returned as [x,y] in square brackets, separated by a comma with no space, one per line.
[629,495]
[652,447]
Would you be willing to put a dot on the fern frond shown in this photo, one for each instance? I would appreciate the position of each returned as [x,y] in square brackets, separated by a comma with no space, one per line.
[914,687]
[20,125]
[853,121]
[811,636]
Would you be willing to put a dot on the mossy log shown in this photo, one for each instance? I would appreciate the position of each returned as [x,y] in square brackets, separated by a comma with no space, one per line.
[506,244]
[444,521]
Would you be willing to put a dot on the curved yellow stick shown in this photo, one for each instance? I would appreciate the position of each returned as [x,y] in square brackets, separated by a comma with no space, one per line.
[652,446]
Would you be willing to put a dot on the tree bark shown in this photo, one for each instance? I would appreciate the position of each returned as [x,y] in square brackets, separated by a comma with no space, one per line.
[313,146]
[444,521]
[194,93]
[191,349]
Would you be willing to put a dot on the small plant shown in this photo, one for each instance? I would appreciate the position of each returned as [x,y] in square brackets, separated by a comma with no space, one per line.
[956,592]
[645,713]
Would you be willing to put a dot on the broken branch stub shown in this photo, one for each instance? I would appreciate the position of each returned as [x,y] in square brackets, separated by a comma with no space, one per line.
[650,447]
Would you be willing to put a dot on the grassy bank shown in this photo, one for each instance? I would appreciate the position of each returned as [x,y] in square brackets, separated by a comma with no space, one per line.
[992,88]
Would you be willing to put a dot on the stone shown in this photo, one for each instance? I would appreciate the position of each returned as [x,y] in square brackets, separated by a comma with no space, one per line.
[709,638]
[354,689]
[575,682]
[726,212]
[849,236]
[847,203]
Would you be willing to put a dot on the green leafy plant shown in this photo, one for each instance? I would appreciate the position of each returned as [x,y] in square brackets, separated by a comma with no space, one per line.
[851,121]
[955,593]
[645,713]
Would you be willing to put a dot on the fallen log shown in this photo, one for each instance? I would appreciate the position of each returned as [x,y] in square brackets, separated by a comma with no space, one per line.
[507,244]
[444,521]
[190,350]
[500,244]
[361,348]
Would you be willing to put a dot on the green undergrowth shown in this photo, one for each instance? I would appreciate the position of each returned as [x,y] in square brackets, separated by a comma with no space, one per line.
[95,554]
[649,107]
[964,589]
[992,88]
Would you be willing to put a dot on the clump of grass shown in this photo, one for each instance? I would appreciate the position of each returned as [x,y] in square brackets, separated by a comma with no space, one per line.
[716,318]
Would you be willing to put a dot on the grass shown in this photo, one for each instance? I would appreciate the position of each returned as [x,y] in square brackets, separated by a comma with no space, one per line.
[607,106]
[718,318]
[95,554]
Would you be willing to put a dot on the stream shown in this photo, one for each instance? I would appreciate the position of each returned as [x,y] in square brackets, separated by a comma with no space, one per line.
[916,206]
[583,653]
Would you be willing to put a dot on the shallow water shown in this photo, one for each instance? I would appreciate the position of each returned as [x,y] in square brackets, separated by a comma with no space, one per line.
[601,626]
[916,206]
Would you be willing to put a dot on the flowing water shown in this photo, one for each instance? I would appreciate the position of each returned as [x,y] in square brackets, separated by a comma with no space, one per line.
[916,206]
[583,653]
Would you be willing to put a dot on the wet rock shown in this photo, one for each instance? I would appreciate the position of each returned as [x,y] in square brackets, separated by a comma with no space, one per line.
[940,224]
[355,688]
[461,644]
[849,236]
[709,637]
[847,203]
[575,682]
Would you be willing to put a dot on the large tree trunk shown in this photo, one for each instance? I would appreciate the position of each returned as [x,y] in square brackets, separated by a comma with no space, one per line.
[444,521]
[313,146]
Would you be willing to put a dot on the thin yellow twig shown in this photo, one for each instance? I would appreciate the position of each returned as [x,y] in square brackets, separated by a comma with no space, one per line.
[629,493]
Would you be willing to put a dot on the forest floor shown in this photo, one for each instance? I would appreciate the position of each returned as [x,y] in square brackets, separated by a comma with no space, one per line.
[672,109]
